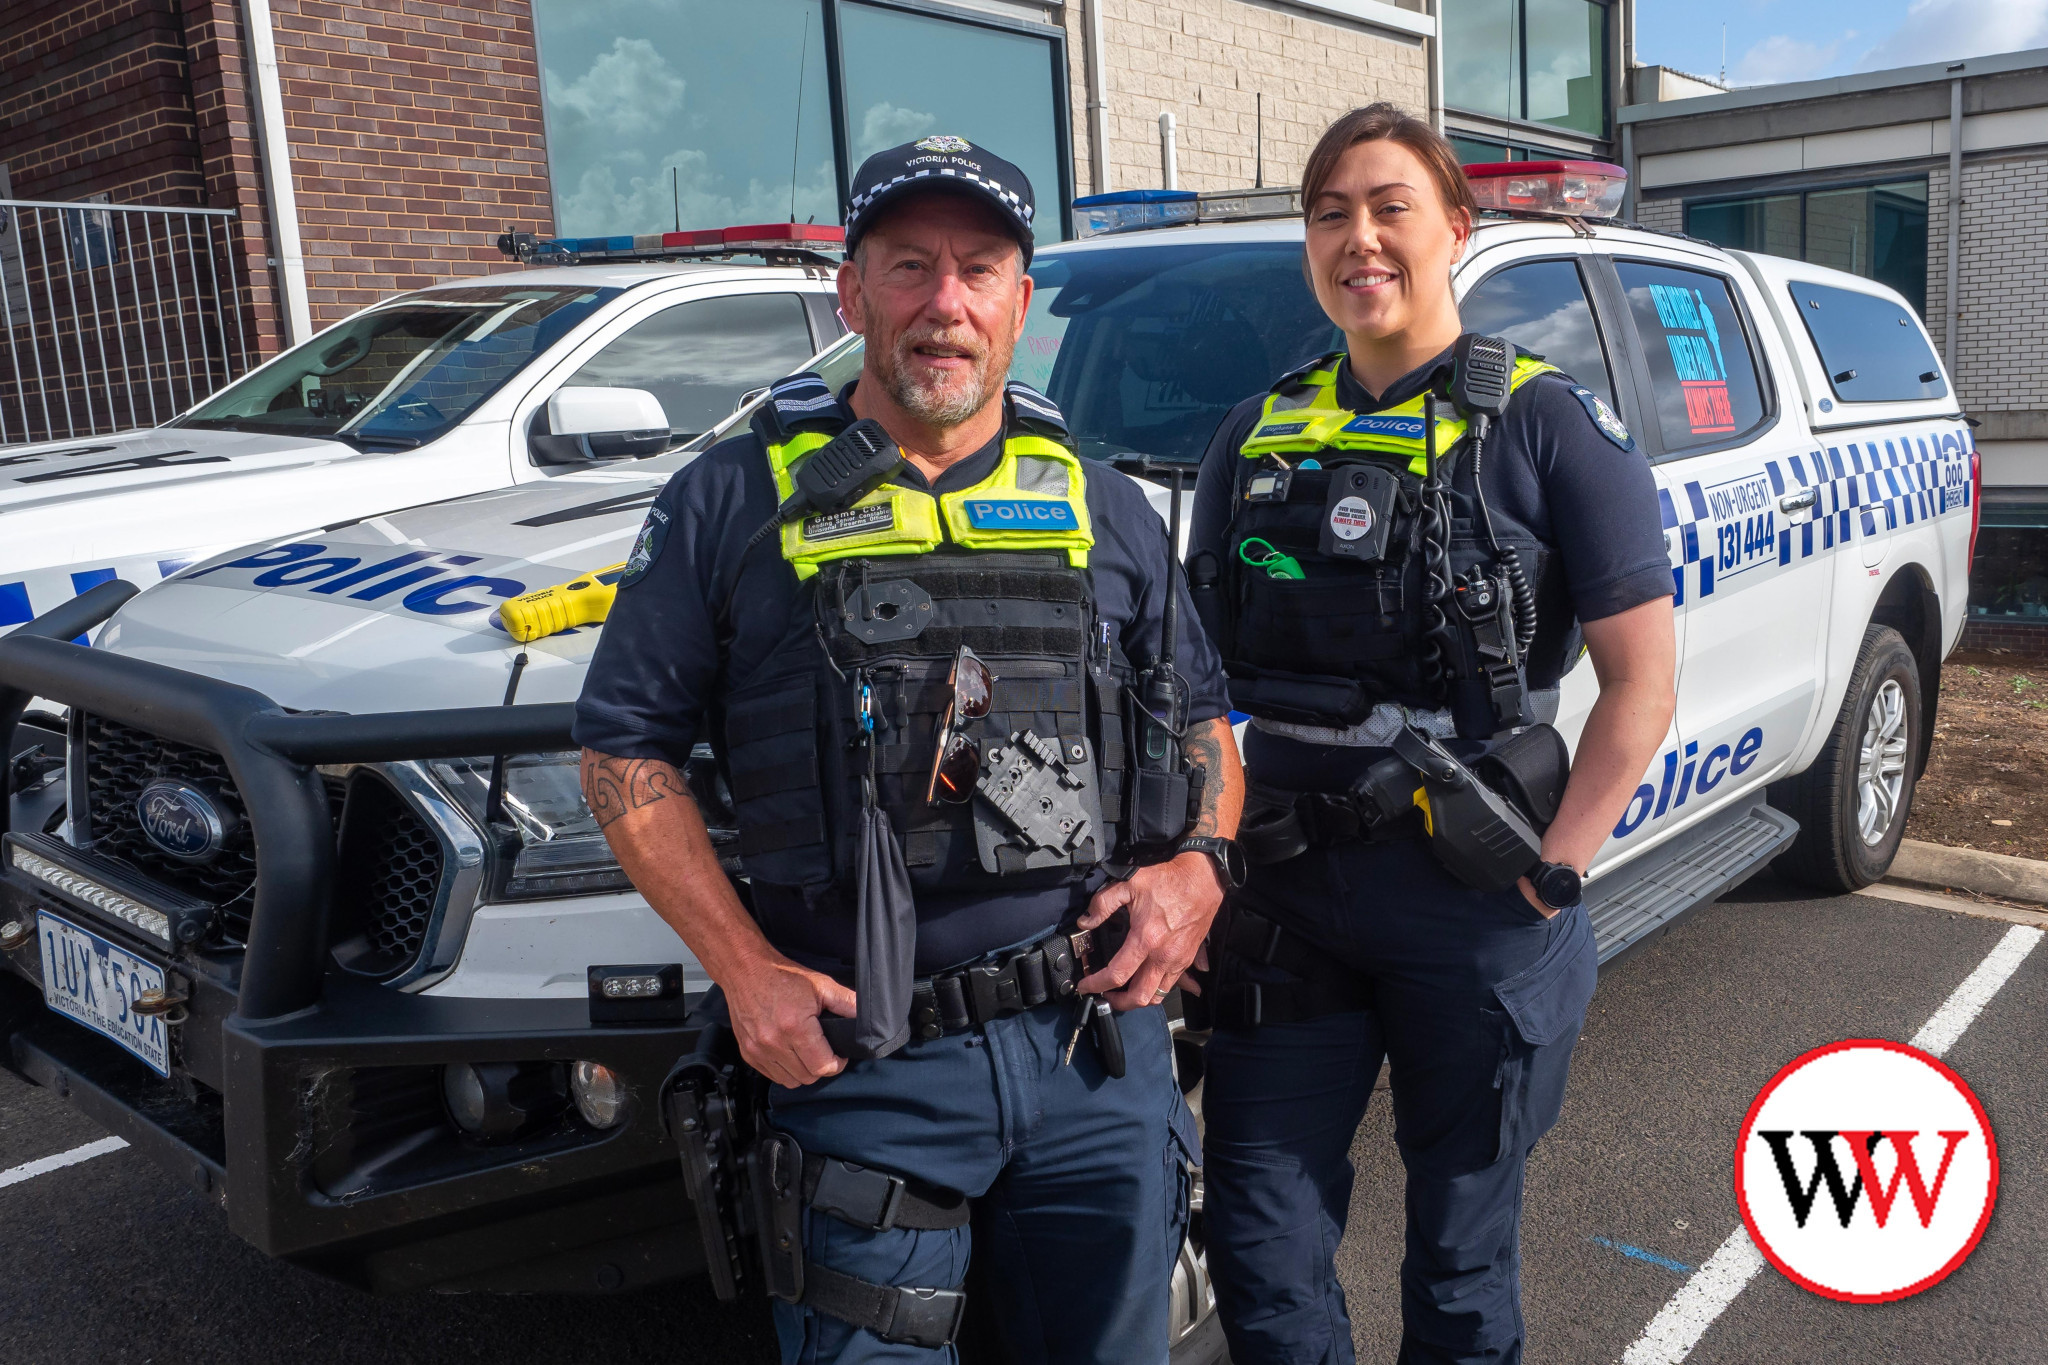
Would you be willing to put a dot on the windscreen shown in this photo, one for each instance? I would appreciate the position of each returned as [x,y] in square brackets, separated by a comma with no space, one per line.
[1145,348]
[404,373]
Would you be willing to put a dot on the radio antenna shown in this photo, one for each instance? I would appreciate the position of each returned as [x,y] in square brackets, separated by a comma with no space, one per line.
[796,138]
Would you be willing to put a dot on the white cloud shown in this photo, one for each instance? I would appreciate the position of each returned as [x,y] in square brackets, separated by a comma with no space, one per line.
[630,89]
[1945,30]
[884,125]
[605,200]
[1779,58]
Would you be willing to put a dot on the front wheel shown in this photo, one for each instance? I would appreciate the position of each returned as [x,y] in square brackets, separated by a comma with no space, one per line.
[1852,803]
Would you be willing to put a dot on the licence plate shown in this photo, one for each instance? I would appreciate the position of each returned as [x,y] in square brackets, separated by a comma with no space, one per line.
[91,980]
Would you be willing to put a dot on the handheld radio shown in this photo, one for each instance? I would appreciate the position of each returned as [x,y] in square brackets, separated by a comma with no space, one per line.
[837,474]
[1163,789]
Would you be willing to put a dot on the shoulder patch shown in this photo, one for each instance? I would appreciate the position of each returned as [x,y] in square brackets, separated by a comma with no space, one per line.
[1604,417]
[647,546]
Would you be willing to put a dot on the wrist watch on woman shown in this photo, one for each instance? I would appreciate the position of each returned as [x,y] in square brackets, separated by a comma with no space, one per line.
[1228,857]
[1558,885]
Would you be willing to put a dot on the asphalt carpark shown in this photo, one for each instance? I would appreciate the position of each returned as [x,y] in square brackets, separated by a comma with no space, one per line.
[112,1259]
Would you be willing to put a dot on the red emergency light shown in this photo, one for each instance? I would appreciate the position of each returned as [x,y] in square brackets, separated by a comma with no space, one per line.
[1551,189]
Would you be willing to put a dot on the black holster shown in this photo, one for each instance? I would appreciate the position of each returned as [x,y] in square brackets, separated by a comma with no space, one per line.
[750,1185]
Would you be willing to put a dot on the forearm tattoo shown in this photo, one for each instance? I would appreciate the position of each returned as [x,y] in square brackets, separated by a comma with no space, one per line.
[615,786]
[1204,750]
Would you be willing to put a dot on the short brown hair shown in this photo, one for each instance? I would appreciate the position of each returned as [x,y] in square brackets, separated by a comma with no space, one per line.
[1395,124]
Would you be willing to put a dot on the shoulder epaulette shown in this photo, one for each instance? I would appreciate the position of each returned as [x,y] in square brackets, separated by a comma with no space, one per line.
[802,402]
[1293,378]
[1036,412]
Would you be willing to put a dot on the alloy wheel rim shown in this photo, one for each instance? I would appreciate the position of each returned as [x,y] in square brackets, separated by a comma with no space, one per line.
[1881,762]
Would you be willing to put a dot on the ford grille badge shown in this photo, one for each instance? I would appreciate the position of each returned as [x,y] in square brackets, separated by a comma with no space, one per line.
[184,821]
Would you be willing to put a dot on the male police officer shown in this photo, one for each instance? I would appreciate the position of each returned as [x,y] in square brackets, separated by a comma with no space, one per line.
[948,649]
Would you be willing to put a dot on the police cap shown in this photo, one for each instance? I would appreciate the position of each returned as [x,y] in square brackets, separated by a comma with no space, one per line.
[944,162]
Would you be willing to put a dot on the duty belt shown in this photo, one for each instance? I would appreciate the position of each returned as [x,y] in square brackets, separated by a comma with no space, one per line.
[1279,824]
[967,997]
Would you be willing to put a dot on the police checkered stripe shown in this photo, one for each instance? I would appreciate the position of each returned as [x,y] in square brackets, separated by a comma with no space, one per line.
[1863,487]
[1008,196]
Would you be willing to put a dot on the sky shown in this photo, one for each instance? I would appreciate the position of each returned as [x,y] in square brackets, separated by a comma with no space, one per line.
[1770,41]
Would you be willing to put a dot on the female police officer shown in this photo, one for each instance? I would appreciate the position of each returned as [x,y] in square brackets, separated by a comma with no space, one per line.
[1374,585]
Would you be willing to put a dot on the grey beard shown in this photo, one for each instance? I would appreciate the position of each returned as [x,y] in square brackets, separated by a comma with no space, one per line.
[947,409]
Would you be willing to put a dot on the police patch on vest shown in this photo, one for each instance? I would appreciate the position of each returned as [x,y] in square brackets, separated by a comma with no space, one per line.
[1604,417]
[647,548]
[1019,514]
[1282,429]
[1371,425]
[1351,519]
[854,521]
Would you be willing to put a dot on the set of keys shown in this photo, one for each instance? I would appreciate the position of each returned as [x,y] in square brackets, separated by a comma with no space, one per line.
[1093,1010]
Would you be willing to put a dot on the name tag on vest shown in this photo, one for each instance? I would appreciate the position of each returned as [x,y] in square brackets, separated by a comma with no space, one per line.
[880,516]
[1410,427]
[1019,514]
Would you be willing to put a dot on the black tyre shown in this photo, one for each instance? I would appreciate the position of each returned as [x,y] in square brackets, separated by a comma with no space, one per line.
[1852,803]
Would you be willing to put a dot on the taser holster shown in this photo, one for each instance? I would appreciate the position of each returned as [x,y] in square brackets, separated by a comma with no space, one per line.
[751,1184]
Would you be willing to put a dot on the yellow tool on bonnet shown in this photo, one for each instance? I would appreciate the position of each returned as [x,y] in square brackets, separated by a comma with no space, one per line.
[583,601]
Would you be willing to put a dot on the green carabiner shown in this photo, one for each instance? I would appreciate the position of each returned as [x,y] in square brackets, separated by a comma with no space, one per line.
[1276,564]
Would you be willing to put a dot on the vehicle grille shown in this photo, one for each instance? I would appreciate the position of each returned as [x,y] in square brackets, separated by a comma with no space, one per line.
[119,762]
[390,870]
[389,861]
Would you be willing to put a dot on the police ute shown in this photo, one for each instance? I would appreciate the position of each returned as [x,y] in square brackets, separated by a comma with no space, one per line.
[300,896]
[621,349]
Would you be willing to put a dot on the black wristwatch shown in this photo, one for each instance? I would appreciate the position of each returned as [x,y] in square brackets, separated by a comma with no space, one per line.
[1557,884]
[1228,857]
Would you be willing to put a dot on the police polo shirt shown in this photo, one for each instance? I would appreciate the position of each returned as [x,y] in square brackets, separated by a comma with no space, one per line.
[705,614]
[1549,469]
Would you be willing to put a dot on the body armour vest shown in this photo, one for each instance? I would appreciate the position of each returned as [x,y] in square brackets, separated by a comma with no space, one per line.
[1331,561]
[850,705]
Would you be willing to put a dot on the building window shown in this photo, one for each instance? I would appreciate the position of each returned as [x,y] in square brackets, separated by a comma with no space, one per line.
[671,114]
[1876,231]
[2009,579]
[1472,149]
[1536,61]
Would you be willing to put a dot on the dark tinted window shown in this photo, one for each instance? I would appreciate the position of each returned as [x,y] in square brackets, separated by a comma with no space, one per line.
[1541,307]
[1870,347]
[699,357]
[1145,348]
[1693,339]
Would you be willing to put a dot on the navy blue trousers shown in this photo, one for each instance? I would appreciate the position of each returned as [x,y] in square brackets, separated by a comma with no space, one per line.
[1080,1180]
[1476,1000]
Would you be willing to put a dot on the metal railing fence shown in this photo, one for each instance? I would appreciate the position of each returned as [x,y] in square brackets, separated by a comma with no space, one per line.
[115,316]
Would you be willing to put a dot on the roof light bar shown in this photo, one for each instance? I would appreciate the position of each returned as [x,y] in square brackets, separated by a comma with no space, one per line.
[1567,189]
[1134,210]
[801,240]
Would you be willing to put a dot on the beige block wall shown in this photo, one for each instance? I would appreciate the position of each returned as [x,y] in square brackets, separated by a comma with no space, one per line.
[1206,61]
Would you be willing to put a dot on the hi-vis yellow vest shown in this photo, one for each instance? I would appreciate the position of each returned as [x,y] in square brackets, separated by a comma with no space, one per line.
[1302,416]
[1034,499]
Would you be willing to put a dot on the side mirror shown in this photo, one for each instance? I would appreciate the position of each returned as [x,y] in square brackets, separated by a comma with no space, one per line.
[585,424]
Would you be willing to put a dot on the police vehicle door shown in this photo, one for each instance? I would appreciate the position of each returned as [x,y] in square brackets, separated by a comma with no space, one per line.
[1730,442]
[1543,304]
[698,351]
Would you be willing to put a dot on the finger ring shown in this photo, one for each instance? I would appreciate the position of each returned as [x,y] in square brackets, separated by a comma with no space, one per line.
[1161,994]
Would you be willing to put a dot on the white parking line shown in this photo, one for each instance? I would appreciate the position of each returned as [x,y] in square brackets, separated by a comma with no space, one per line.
[1681,1323]
[43,1166]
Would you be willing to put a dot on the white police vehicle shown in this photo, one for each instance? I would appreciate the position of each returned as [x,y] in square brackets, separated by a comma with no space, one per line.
[430,395]
[373,1040]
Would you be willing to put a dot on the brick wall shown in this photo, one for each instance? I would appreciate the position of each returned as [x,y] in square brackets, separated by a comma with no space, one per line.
[2022,641]
[1666,215]
[1205,61]
[2004,270]
[416,136]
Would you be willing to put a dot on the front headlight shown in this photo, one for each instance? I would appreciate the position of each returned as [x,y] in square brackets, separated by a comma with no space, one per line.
[547,841]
